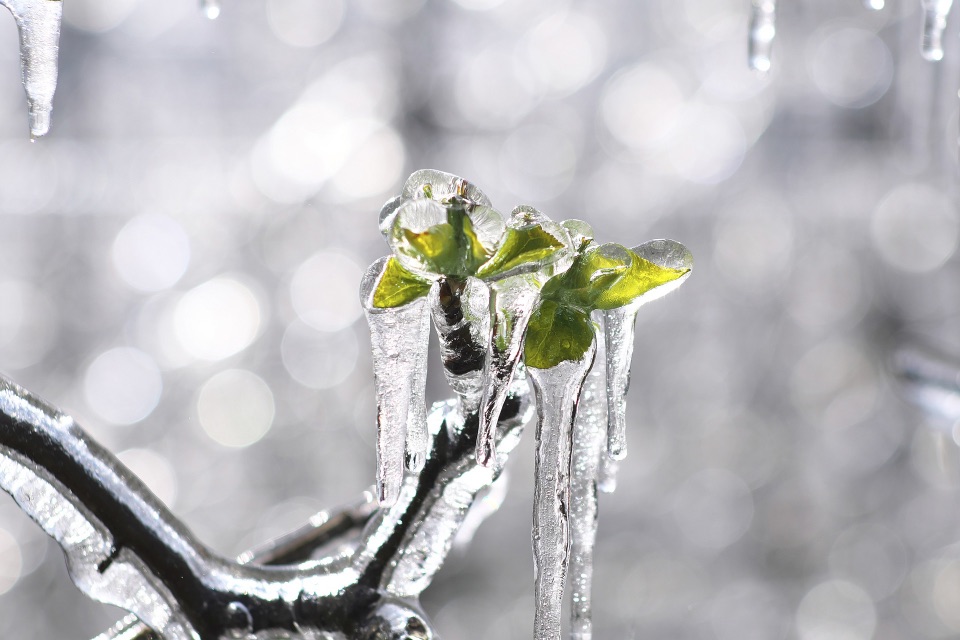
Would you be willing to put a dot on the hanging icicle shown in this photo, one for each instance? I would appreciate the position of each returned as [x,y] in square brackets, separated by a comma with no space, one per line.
[935,14]
[763,30]
[38,22]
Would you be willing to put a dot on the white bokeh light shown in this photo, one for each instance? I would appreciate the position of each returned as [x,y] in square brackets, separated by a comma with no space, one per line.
[122,385]
[915,228]
[11,561]
[151,252]
[217,319]
[323,290]
[235,408]
[154,470]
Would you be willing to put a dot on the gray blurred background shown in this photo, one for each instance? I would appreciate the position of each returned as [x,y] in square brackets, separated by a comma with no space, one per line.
[179,261]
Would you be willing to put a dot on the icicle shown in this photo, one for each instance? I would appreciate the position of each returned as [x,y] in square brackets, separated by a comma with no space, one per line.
[619,330]
[557,390]
[399,337]
[876,5]
[589,440]
[210,8]
[511,303]
[461,315]
[39,24]
[935,14]
[607,480]
[763,30]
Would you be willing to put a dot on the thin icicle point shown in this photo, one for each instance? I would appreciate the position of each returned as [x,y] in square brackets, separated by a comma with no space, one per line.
[619,332]
[763,30]
[589,451]
[935,14]
[399,335]
[607,477]
[38,22]
[210,8]
[557,391]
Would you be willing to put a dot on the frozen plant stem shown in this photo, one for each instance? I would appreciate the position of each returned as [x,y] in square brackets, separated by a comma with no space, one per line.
[38,22]
[763,30]
[557,391]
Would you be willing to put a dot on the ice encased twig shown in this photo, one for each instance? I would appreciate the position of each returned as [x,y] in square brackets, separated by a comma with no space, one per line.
[589,451]
[619,336]
[461,316]
[557,391]
[38,22]
[399,337]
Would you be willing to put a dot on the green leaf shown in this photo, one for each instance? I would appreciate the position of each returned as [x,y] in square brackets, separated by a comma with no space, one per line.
[398,287]
[526,245]
[557,333]
[450,248]
[641,277]
[607,276]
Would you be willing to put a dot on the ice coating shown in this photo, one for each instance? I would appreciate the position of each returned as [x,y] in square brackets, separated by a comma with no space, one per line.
[461,316]
[557,391]
[399,337]
[607,476]
[935,14]
[439,185]
[589,446]
[763,30]
[512,301]
[619,336]
[38,22]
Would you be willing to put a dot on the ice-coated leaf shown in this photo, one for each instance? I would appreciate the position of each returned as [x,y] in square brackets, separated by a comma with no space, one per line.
[556,333]
[398,287]
[580,232]
[454,240]
[399,337]
[531,242]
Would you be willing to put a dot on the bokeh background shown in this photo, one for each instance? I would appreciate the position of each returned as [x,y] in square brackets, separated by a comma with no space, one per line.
[180,257]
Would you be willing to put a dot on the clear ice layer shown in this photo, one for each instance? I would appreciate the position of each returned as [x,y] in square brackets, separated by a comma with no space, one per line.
[589,451]
[512,301]
[557,391]
[399,337]
[763,30]
[461,316]
[38,22]
[935,13]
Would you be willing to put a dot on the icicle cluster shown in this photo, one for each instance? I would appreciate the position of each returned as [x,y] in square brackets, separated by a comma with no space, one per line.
[506,293]
[38,22]
[763,29]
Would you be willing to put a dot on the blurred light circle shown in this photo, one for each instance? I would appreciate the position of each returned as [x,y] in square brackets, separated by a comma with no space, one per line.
[151,252]
[391,10]
[834,385]
[154,470]
[28,324]
[946,594]
[318,359]
[836,610]
[714,508]
[538,161]
[490,90]
[375,165]
[915,228]
[217,319]
[707,144]
[304,23]
[96,16]
[748,611]
[11,561]
[640,105]
[235,408]
[566,51]
[851,67]
[323,291]
[123,385]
